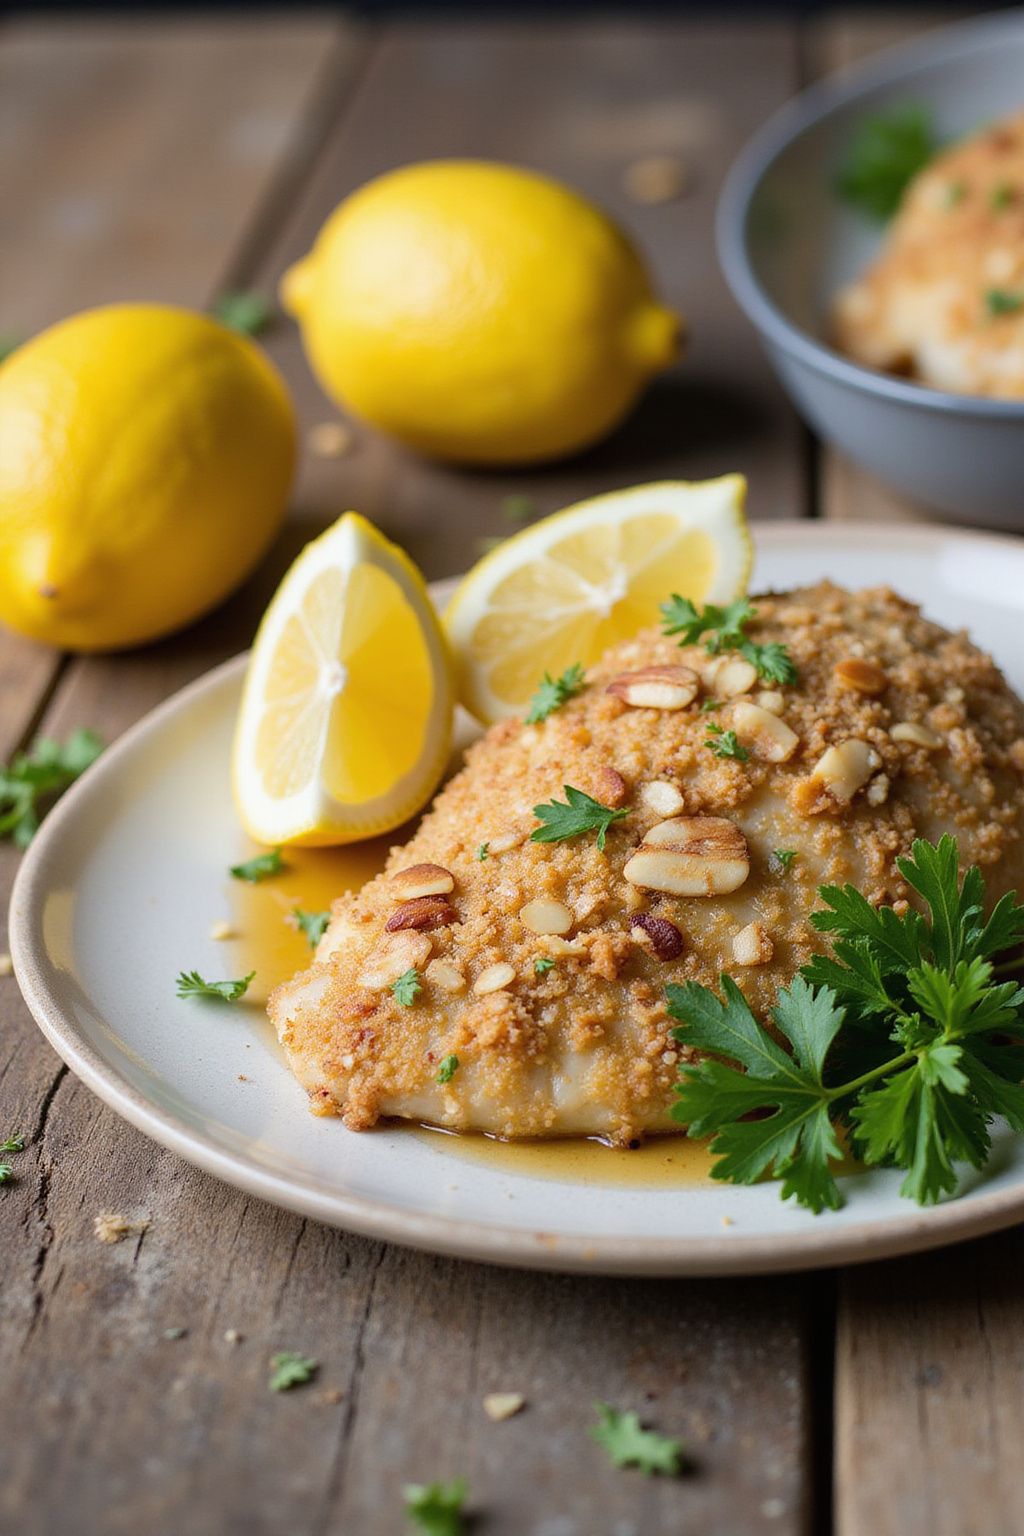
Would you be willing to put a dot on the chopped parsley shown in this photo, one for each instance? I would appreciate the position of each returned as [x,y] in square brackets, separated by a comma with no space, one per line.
[191,984]
[780,859]
[1002,196]
[998,301]
[578,814]
[886,154]
[448,1069]
[32,780]
[247,313]
[312,924]
[407,987]
[709,706]
[553,692]
[6,1173]
[628,1444]
[259,868]
[436,1508]
[902,1037]
[289,1369]
[482,852]
[13,1144]
[725,744]
[723,629]
[542,964]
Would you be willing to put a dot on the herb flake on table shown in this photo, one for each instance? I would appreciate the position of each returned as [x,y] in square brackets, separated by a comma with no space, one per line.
[248,313]
[725,743]
[902,1038]
[261,867]
[447,1070]
[578,814]
[887,152]
[407,987]
[628,1444]
[13,1144]
[436,1508]
[32,780]
[999,301]
[553,692]
[289,1369]
[724,629]
[191,984]
[312,924]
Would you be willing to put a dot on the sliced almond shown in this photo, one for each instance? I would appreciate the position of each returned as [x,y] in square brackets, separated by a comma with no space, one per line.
[422,880]
[543,915]
[424,912]
[726,677]
[657,934]
[861,675]
[752,945]
[494,978]
[691,856]
[609,787]
[662,797]
[446,976]
[656,687]
[767,736]
[846,768]
[394,955]
[917,735]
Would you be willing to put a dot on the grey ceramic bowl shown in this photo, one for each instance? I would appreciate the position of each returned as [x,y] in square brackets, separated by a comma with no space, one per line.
[787,244]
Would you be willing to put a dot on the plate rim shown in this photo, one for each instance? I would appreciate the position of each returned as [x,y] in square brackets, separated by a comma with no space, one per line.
[734,1254]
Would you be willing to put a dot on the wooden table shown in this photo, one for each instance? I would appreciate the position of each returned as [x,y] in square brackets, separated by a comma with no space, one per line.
[173,161]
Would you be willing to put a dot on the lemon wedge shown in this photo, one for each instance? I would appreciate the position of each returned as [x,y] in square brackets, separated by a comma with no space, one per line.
[565,589]
[345,724]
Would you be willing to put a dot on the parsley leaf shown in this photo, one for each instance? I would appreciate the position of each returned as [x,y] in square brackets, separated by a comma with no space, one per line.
[6,1173]
[31,781]
[722,629]
[312,924]
[482,852]
[247,313]
[999,301]
[630,1445]
[448,1069]
[902,1036]
[580,813]
[289,1369]
[884,157]
[191,984]
[780,859]
[259,868]
[407,987]
[436,1508]
[553,692]
[725,744]
[542,964]
[13,1144]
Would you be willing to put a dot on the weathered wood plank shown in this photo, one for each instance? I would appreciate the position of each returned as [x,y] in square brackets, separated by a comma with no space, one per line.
[581,103]
[125,1426]
[930,1350]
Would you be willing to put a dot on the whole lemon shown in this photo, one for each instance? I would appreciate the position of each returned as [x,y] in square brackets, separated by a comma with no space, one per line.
[479,312]
[145,458]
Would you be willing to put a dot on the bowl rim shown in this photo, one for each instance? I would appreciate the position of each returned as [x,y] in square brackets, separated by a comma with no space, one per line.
[789,123]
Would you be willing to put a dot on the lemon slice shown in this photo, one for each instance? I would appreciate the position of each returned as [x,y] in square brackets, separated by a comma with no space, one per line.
[566,588]
[345,724]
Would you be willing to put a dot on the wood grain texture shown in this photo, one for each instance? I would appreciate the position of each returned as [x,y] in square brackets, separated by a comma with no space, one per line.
[119,1428]
[930,1350]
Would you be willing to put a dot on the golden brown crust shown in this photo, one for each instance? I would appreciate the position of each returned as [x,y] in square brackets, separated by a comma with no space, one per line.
[584,1046]
[922,307]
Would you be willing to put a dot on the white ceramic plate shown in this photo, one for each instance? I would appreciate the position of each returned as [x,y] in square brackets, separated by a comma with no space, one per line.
[120,888]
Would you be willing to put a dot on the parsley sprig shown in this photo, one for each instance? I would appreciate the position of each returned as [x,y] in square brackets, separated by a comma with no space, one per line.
[630,1445]
[290,1369]
[448,1068]
[1000,301]
[10,1144]
[436,1508]
[31,781]
[577,814]
[725,743]
[312,924]
[191,984]
[899,1037]
[724,629]
[553,692]
[261,867]
[407,987]
[886,154]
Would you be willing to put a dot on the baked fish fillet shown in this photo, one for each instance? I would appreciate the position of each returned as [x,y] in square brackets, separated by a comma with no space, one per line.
[895,729]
